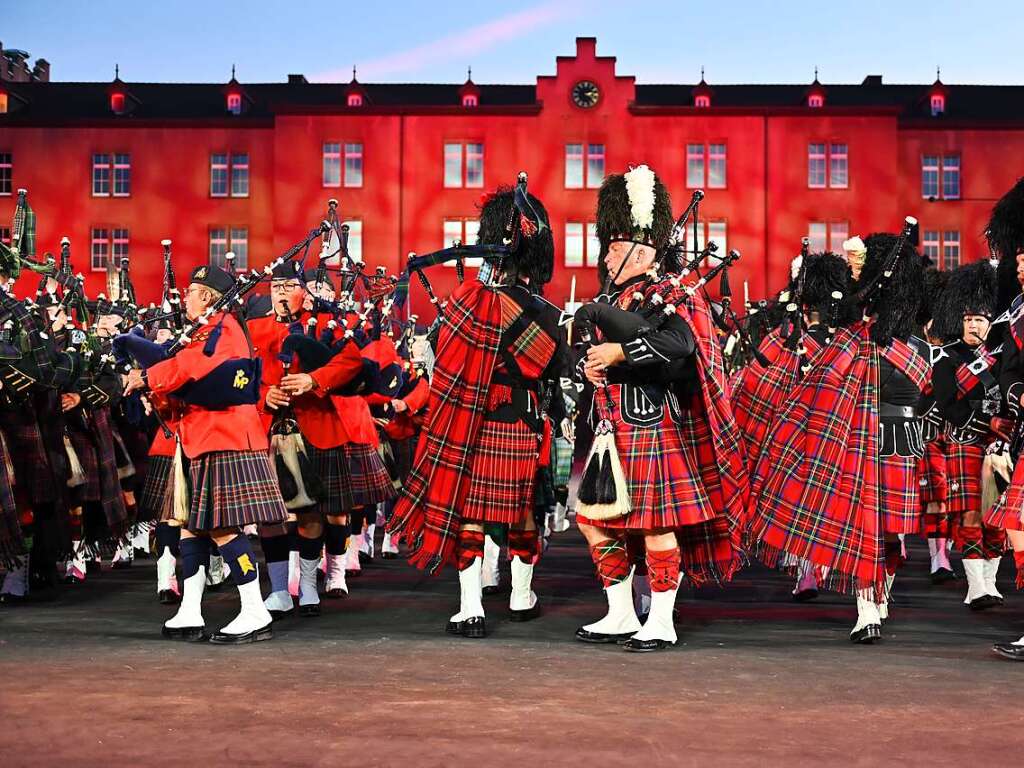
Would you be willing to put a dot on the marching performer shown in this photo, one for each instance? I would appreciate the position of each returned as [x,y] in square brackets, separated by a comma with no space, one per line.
[296,394]
[232,482]
[965,380]
[661,394]
[477,457]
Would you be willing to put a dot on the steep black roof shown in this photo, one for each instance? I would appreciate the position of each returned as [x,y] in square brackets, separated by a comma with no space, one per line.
[67,101]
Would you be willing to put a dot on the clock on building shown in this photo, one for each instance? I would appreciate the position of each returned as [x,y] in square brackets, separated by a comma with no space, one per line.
[585,94]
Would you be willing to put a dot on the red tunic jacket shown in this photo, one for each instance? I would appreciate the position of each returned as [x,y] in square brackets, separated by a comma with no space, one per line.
[404,425]
[237,428]
[320,419]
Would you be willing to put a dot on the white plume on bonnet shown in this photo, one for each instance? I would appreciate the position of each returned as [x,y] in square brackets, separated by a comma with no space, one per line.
[794,266]
[640,190]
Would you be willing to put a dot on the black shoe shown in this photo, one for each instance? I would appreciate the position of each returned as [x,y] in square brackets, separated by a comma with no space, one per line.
[188,634]
[336,593]
[646,646]
[389,555]
[942,575]
[527,615]
[140,554]
[867,635]
[308,611]
[805,595]
[93,566]
[491,589]
[12,600]
[278,615]
[365,558]
[168,597]
[984,602]
[120,565]
[454,627]
[263,633]
[352,574]
[474,627]
[601,638]
[1009,651]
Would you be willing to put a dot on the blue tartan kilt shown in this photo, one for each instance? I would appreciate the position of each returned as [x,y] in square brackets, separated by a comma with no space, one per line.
[233,488]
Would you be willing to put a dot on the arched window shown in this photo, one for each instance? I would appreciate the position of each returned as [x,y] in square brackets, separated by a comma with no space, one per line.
[815,101]
[938,104]
[355,100]
[235,103]
[470,100]
[702,101]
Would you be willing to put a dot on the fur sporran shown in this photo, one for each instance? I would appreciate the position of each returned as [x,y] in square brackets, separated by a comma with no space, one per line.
[996,472]
[76,476]
[181,501]
[603,492]
[300,486]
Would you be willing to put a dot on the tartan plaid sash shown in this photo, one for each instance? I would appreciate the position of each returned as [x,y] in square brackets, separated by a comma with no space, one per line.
[814,491]
[909,362]
[712,550]
[970,374]
[426,515]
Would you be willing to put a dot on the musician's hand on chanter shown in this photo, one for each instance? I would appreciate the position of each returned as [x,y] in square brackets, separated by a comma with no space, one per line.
[69,400]
[603,356]
[594,376]
[134,381]
[400,406]
[298,383]
[277,398]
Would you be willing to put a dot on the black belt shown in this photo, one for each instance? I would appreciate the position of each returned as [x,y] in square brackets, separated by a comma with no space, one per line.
[890,411]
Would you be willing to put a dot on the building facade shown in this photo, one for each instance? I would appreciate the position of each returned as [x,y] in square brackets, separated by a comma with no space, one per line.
[249,167]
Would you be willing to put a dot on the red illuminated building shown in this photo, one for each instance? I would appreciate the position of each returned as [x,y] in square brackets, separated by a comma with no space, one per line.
[249,167]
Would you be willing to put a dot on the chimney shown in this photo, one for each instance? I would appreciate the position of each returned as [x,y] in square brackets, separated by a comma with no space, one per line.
[41,71]
[872,80]
[297,80]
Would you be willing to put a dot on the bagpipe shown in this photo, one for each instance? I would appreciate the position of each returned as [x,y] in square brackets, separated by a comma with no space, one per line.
[233,382]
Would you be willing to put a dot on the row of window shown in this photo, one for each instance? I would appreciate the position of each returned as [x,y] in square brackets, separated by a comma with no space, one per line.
[827,168]
[582,247]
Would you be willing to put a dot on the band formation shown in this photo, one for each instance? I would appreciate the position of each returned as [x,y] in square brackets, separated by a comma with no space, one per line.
[876,398]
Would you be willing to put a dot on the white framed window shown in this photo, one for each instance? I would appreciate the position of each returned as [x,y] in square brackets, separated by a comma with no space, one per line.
[595,165]
[5,235]
[332,164]
[950,249]
[355,238]
[101,175]
[816,166]
[930,243]
[938,104]
[99,250]
[584,166]
[239,245]
[353,165]
[465,230]
[470,100]
[119,245]
[717,233]
[702,101]
[838,233]
[815,101]
[219,174]
[951,177]
[716,166]
[930,176]
[574,166]
[240,174]
[574,244]
[695,166]
[6,173]
[218,245]
[355,100]
[817,234]
[122,175]
[235,103]
[463,165]
[838,166]
[593,245]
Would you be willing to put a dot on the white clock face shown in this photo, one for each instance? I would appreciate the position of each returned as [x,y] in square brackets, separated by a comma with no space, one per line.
[585,94]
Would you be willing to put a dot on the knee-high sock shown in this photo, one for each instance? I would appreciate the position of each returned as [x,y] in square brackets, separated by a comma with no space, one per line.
[275,552]
[335,538]
[241,559]
[969,539]
[663,569]
[469,547]
[523,544]
[612,561]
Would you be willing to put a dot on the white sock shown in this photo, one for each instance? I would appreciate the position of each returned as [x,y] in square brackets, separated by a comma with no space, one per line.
[659,624]
[307,582]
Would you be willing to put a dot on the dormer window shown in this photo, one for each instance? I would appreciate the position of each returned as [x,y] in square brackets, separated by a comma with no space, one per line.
[815,101]
[702,101]
[470,100]
[117,103]
[355,100]
[3,102]
[938,103]
[235,103]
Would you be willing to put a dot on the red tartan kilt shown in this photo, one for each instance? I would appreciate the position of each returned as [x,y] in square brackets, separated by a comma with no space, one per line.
[233,488]
[963,476]
[662,472]
[1006,512]
[899,497]
[502,470]
[154,501]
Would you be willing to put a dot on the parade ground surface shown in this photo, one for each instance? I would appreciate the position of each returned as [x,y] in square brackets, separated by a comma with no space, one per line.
[757,680]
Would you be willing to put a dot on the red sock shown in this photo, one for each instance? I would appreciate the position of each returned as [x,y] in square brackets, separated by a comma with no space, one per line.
[469,547]
[523,544]
[968,539]
[893,556]
[663,569]
[611,560]
[993,541]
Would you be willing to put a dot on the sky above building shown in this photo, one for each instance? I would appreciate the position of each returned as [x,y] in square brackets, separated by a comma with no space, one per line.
[658,41]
